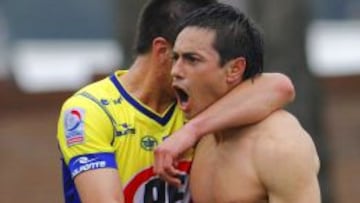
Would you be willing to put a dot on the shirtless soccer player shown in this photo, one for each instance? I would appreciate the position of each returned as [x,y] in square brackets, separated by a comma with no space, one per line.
[107,130]
[273,160]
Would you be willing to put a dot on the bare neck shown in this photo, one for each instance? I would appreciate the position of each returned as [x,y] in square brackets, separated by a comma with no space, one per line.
[149,83]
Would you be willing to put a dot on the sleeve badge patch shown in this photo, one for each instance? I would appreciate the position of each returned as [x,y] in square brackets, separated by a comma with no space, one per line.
[74,126]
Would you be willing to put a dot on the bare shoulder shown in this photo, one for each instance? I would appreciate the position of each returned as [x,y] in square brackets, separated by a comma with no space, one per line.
[283,140]
[280,120]
[281,126]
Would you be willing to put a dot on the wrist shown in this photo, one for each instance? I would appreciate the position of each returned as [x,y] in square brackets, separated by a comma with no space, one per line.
[193,127]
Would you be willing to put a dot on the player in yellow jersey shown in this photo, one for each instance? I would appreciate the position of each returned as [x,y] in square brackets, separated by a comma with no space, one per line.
[104,126]
[107,131]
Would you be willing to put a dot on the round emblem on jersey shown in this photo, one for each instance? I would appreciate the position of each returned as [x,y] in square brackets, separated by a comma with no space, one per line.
[148,143]
[73,119]
[147,187]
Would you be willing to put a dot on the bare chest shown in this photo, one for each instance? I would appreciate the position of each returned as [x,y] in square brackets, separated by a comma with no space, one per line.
[224,174]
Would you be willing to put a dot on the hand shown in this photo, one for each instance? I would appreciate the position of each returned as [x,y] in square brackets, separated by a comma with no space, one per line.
[167,154]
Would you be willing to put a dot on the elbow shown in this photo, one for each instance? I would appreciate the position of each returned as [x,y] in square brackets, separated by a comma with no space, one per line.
[285,87]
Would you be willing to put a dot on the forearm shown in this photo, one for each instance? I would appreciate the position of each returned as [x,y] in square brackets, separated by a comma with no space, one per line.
[249,102]
[101,185]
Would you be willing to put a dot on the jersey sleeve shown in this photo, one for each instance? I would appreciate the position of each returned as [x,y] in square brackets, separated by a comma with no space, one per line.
[85,134]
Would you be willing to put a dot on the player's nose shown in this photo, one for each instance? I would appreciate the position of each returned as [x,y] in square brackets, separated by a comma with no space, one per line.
[177,70]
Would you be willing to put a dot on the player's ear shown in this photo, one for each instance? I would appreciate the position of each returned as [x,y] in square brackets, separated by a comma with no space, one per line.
[161,48]
[236,70]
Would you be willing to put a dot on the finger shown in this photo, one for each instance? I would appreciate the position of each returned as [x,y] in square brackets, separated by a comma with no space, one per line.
[172,180]
[170,173]
[176,163]
[158,163]
[169,166]
[160,169]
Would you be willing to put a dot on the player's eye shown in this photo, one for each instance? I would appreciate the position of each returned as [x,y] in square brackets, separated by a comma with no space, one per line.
[190,58]
[175,57]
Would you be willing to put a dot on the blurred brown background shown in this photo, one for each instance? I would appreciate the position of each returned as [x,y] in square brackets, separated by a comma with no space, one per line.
[45,55]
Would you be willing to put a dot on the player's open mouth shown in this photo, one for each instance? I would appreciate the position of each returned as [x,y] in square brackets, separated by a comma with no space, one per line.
[182,97]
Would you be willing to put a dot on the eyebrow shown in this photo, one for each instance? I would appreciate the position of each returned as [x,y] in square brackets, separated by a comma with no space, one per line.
[186,54]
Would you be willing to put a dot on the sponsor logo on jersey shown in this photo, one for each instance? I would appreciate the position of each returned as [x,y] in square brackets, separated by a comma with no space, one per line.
[146,187]
[84,160]
[125,129]
[117,101]
[148,143]
[84,163]
[74,126]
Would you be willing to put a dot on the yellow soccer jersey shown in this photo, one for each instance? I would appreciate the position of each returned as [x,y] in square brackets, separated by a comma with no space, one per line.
[103,126]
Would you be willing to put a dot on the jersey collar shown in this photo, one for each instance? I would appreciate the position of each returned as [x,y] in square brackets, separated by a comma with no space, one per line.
[159,119]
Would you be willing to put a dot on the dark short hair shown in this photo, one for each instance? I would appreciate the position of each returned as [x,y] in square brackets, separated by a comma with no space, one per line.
[159,18]
[236,35]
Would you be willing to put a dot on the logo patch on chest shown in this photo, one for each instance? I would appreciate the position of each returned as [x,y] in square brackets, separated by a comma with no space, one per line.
[148,143]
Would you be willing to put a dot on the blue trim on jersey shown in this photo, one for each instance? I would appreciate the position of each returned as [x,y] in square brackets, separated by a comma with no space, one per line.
[137,105]
[70,193]
[88,162]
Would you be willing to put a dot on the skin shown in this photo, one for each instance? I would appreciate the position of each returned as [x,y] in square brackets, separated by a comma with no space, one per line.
[273,160]
[272,88]
[149,80]
[262,163]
